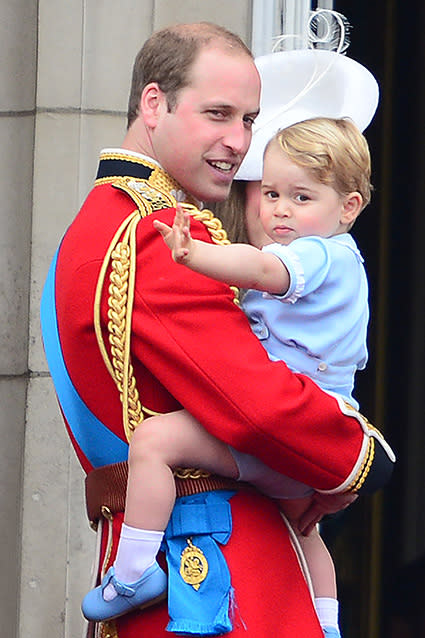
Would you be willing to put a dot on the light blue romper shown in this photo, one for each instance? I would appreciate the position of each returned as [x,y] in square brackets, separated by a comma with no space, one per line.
[318,327]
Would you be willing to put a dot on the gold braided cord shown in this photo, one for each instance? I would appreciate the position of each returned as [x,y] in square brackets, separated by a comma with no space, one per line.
[365,467]
[121,298]
[363,472]
[368,465]
[122,257]
[213,224]
[190,473]
[216,230]
[150,412]
[98,294]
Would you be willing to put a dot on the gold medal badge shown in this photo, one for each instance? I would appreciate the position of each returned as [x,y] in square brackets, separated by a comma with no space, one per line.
[193,565]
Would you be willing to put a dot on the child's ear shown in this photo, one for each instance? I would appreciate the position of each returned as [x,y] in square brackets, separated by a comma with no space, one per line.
[151,101]
[352,206]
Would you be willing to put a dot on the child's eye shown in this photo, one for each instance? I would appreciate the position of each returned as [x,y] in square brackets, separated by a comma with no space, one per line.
[302,198]
[271,194]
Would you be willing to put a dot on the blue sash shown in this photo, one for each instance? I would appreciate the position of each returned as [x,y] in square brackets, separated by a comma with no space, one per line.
[98,444]
[199,591]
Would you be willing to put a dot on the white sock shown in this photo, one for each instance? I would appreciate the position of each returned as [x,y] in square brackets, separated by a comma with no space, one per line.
[137,550]
[327,611]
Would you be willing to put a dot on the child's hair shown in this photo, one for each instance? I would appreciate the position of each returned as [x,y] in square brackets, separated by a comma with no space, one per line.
[334,150]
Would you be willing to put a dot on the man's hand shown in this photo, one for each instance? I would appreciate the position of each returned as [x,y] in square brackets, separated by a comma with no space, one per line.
[177,237]
[323,504]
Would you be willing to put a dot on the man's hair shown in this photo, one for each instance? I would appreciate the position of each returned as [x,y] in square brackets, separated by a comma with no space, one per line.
[167,58]
[334,150]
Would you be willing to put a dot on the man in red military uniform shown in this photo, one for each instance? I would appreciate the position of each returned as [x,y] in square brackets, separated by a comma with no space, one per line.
[128,333]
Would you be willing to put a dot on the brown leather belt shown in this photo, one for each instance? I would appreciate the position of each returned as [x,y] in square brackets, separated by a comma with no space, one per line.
[106,488]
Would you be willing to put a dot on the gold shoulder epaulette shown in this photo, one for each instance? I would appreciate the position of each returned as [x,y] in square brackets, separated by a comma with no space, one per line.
[147,197]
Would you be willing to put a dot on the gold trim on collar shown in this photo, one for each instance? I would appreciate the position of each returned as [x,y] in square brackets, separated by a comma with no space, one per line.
[122,154]
[158,179]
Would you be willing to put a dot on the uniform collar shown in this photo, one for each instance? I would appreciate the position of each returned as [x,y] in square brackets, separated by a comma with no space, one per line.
[119,162]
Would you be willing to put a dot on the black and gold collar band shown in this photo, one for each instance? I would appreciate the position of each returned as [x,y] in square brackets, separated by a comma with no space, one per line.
[119,163]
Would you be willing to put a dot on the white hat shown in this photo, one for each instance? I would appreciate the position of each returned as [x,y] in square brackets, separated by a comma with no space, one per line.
[301,84]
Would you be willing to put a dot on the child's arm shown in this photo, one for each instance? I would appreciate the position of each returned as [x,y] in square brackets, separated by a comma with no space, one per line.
[238,264]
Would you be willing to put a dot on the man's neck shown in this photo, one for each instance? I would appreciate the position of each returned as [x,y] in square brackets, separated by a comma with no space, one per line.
[137,140]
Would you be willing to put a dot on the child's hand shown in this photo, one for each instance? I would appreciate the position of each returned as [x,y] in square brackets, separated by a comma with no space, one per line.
[177,237]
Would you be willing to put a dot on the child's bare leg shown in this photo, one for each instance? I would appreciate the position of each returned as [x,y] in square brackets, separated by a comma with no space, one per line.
[320,565]
[158,445]
[319,560]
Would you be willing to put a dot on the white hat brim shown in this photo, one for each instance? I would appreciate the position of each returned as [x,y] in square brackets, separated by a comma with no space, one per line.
[305,83]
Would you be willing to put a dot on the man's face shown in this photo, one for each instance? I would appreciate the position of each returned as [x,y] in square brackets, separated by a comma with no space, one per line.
[203,141]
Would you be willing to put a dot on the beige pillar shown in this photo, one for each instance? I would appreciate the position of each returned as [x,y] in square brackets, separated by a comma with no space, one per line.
[18,31]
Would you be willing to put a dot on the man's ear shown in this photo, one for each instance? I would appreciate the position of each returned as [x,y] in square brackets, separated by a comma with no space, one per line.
[152,101]
[352,207]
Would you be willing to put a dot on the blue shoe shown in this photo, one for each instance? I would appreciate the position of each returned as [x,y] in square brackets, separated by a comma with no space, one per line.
[331,632]
[146,591]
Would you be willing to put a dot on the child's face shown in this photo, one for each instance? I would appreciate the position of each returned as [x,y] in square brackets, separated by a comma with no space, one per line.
[294,204]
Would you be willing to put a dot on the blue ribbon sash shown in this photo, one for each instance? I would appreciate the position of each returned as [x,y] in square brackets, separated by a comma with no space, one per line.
[97,442]
[199,587]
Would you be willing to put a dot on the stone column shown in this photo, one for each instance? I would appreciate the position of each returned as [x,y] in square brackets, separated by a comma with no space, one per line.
[18,35]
